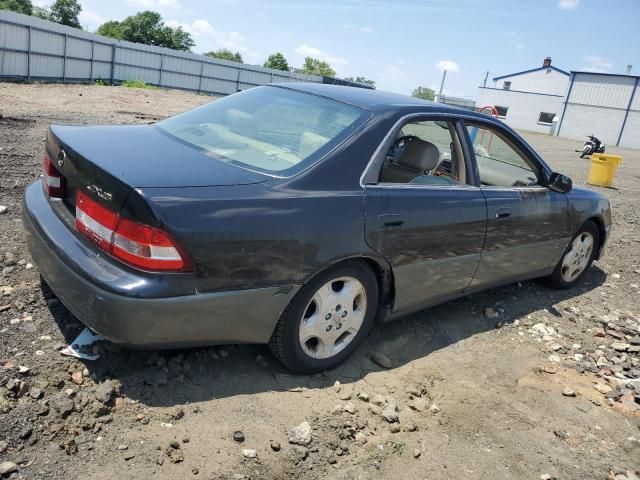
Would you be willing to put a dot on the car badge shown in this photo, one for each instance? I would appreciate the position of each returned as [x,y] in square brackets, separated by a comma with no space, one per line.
[61,158]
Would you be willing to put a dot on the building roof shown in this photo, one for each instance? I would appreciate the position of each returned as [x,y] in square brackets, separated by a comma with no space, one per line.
[605,74]
[531,70]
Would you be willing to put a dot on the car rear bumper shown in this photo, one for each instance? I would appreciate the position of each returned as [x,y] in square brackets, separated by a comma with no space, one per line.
[137,308]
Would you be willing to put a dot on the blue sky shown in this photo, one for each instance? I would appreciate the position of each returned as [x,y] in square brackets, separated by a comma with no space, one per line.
[402,44]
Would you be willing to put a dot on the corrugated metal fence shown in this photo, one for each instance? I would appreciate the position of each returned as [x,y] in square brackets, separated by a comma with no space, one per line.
[36,49]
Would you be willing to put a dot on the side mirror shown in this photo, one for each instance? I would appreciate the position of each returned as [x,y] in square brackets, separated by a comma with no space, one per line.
[559,183]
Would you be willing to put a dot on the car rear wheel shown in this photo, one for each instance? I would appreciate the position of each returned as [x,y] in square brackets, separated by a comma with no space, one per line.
[327,319]
[577,257]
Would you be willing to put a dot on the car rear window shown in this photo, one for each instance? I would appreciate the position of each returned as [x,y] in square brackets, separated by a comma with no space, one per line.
[272,130]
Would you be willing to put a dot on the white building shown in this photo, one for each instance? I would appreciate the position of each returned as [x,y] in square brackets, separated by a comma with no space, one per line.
[528,100]
[604,105]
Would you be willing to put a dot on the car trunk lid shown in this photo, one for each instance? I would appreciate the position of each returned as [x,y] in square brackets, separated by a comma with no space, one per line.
[142,156]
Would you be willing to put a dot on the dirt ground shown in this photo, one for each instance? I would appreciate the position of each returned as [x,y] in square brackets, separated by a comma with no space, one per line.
[545,384]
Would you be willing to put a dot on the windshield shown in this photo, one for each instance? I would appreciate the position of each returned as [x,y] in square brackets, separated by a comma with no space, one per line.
[271,130]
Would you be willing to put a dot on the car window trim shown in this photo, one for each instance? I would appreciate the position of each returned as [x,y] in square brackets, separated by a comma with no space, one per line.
[372,169]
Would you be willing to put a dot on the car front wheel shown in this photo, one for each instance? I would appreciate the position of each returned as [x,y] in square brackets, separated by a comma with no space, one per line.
[577,257]
[327,319]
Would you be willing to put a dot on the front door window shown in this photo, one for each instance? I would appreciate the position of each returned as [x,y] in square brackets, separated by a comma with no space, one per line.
[500,164]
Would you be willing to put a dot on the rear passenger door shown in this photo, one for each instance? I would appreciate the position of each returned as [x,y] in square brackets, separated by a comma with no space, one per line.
[526,222]
[423,212]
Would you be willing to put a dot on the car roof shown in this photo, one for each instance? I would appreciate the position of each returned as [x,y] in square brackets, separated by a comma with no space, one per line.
[370,99]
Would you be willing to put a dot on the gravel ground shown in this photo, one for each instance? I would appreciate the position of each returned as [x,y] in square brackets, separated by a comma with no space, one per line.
[515,382]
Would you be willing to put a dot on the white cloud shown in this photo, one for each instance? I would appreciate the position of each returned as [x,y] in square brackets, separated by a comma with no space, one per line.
[155,4]
[202,26]
[388,76]
[90,19]
[309,51]
[361,29]
[207,38]
[448,65]
[568,4]
[514,39]
[597,64]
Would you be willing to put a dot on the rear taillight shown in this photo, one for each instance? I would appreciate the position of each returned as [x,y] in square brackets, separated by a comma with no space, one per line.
[53,180]
[134,243]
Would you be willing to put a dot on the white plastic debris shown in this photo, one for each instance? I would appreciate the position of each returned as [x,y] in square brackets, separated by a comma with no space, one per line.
[81,345]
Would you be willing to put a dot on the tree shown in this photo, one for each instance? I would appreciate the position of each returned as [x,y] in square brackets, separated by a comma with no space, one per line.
[313,66]
[147,27]
[277,62]
[363,80]
[226,54]
[111,29]
[19,6]
[65,12]
[425,93]
[41,12]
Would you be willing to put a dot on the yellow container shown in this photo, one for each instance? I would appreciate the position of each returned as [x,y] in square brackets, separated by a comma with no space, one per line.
[603,169]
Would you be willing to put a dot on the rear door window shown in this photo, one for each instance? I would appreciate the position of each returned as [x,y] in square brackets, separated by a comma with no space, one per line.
[425,152]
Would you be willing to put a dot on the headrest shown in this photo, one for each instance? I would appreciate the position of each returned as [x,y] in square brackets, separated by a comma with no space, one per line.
[420,155]
[241,123]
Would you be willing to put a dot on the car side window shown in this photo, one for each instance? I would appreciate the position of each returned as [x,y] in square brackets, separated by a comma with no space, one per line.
[426,152]
[500,163]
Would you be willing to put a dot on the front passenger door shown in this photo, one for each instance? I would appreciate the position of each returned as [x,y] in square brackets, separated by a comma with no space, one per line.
[526,222]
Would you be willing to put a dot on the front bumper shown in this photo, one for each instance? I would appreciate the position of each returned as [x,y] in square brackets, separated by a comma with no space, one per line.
[138,308]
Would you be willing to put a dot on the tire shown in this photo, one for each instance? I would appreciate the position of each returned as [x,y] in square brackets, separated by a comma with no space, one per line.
[585,151]
[317,331]
[577,257]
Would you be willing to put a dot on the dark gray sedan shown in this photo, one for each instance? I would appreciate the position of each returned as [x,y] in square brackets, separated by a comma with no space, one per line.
[296,215]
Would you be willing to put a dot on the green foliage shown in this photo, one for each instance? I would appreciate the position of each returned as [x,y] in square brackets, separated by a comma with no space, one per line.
[147,27]
[277,61]
[42,12]
[138,84]
[398,447]
[100,82]
[111,29]
[425,93]
[313,66]
[19,6]
[65,12]
[226,54]
[363,80]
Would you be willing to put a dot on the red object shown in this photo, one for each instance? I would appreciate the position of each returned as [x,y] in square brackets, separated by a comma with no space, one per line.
[52,181]
[133,243]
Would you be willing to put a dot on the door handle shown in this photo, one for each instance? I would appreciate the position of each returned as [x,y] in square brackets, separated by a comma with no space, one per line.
[390,221]
[503,212]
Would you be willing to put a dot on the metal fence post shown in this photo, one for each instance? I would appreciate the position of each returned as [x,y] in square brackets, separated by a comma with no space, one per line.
[93,48]
[238,81]
[29,56]
[113,60]
[161,64]
[200,78]
[64,60]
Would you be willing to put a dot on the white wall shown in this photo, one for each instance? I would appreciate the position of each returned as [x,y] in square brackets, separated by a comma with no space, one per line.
[631,135]
[597,105]
[582,120]
[524,108]
[547,81]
